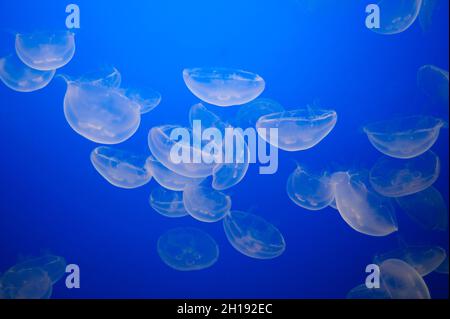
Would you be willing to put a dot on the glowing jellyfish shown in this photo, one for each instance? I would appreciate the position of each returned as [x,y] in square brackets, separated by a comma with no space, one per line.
[121,168]
[188,249]
[308,190]
[402,281]
[26,283]
[19,77]
[360,207]
[223,87]
[434,82]
[250,113]
[54,266]
[168,203]
[147,101]
[362,292]
[253,236]
[46,51]
[443,268]
[298,130]
[397,178]
[405,137]
[426,208]
[397,16]
[206,204]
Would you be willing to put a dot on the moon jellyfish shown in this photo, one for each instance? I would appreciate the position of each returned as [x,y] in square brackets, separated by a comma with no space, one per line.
[426,208]
[188,249]
[309,191]
[253,236]
[54,266]
[46,51]
[434,82]
[168,203]
[298,130]
[397,16]
[21,78]
[208,119]
[121,168]
[397,178]
[364,293]
[402,281]
[223,87]
[26,283]
[147,101]
[106,76]
[443,268]
[249,114]
[426,14]
[206,204]
[360,207]
[405,137]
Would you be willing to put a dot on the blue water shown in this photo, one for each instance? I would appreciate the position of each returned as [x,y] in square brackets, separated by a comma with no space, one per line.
[51,198]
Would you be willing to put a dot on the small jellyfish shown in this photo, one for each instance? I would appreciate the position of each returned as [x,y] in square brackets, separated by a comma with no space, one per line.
[405,137]
[168,203]
[397,178]
[121,168]
[298,130]
[223,87]
[208,119]
[402,281]
[252,236]
[308,190]
[106,76]
[249,114]
[206,204]
[364,293]
[443,268]
[434,82]
[397,16]
[21,78]
[54,266]
[46,51]
[147,101]
[360,207]
[188,249]
[27,283]
[427,208]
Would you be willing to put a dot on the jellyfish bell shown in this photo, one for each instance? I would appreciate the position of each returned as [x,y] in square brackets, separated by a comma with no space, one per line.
[26,283]
[147,101]
[168,203]
[397,16]
[443,268]
[54,266]
[434,82]
[249,114]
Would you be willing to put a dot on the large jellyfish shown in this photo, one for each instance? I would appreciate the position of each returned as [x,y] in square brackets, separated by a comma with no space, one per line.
[121,168]
[46,51]
[309,191]
[54,266]
[168,203]
[426,208]
[298,130]
[26,283]
[397,16]
[223,87]
[188,249]
[21,78]
[405,137]
[249,114]
[147,101]
[402,281]
[252,236]
[362,292]
[360,207]
[206,204]
[397,178]
[434,82]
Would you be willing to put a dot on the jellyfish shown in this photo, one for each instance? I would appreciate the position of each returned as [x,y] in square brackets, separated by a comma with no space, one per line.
[362,292]
[223,87]
[427,208]
[121,168]
[188,249]
[252,236]
[26,283]
[147,101]
[397,16]
[443,268]
[298,130]
[107,76]
[308,190]
[21,78]
[405,138]
[54,266]
[249,114]
[46,51]
[434,82]
[397,178]
[208,119]
[426,14]
[168,203]
[402,281]
[360,207]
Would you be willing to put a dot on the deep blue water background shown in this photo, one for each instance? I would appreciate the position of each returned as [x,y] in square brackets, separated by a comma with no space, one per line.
[51,198]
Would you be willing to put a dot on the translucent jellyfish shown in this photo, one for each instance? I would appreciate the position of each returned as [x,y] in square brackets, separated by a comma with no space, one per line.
[121,168]
[106,76]
[253,236]
[298,130]
[206,204]
[188,249]
[397,16]
[443,268]
[250,113]
[147,101]
[27,283]
[19,77]
[100,113]
[199,112]
[360,207]
[168,203]
[397,178]
[54,266]
[223,87]
[362,292]
[434,82]
[308,190]
[426,208]
[402,281]
[46,51]
[405,137]
[426,14]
